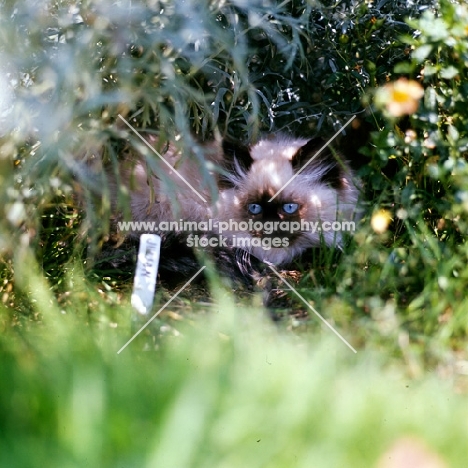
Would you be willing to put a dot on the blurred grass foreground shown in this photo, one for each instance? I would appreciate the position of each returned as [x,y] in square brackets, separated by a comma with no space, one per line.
[213,382]
[230,393]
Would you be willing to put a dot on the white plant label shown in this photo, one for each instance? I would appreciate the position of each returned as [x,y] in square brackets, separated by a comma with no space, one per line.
[146,273]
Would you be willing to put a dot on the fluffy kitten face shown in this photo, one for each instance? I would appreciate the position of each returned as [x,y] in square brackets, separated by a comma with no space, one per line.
[305,187]
[312,188]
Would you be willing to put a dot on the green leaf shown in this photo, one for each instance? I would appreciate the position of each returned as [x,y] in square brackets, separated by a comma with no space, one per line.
[421,53]
[403,67]
[449,72]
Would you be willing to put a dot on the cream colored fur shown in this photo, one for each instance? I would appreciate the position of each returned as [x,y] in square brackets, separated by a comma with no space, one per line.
[270,171]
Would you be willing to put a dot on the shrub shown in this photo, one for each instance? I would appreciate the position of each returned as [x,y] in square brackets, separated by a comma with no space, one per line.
[240,69]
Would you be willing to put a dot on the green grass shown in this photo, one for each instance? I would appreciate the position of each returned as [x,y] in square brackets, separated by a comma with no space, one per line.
[230,390]
[213,381]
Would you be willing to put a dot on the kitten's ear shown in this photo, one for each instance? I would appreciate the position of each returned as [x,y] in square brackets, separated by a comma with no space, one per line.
[307,152]
[233,150]
[328,163]
[236,163]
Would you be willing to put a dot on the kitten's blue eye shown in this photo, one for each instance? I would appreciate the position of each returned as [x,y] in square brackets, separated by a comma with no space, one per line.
[290,208]
[255,208]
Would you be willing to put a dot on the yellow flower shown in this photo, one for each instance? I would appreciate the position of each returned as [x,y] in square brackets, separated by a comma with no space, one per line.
[380,221]
[400,97]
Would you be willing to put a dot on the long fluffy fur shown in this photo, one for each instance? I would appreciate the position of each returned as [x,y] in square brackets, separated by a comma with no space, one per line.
[324,191]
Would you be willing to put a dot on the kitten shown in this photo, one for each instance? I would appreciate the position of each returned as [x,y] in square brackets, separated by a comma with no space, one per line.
[306,188]
[160,192]
[282,182]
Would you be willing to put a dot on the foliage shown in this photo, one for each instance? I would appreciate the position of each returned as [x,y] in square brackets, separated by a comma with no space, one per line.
[229,67]
[226,389]
[233,392]
[419,265]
